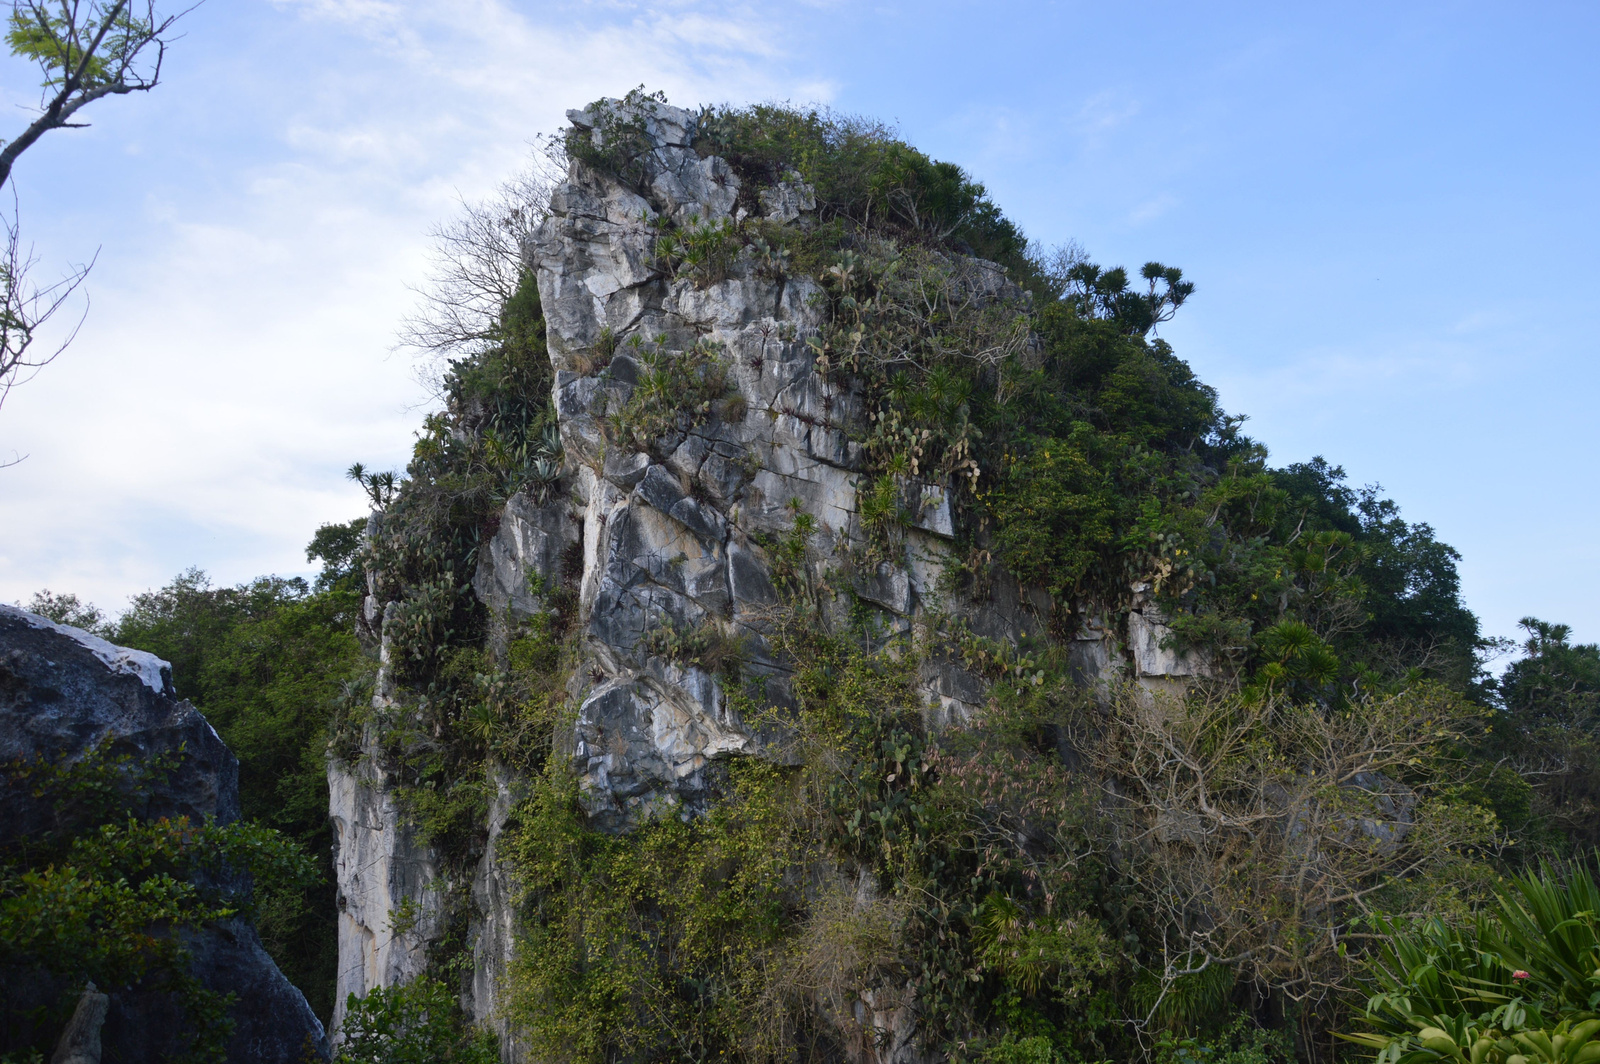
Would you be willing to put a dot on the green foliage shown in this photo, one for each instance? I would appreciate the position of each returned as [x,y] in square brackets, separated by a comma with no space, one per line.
[1523,974]
[496,436]
[1095,293]
[1033,1049]
[1239,1042]
[1190,1002]
[97,894]
[1412,591]
[1556,681]
[97,787]
[68,609]
[1296,655]
[1544,924]
[863,175]
[702,252]
[267,662]
[59,44]
[1549,735]
[656,944]
[1058,513]
[1095,370]
[263,661]
[380,486]
[879,859]
[338,547]
[883,515]
[1028,952]
[419,1022]
[707,646]
[676,391]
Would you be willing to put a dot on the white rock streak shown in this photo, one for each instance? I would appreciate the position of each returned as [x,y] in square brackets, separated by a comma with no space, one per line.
[146,666]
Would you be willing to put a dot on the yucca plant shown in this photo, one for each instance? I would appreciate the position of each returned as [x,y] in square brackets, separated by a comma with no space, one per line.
[1519,985]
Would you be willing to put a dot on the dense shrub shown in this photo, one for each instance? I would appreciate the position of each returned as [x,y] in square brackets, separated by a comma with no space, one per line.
[415,1023]
[268,663]
[99,894]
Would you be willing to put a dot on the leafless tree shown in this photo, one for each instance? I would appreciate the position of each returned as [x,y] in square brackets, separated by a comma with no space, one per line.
[477,265]
[1262,829]
[25,308]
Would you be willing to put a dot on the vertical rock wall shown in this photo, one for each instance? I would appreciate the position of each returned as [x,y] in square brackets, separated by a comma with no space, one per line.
[389,893]
[390,904]
[671,537]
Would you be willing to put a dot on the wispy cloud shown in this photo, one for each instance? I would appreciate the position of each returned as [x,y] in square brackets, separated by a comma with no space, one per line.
[238,354]
[1103,112]
[1152,208]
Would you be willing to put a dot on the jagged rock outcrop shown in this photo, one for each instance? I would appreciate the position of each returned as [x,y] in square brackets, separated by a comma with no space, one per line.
[672,536]
[676,536]
[65,692]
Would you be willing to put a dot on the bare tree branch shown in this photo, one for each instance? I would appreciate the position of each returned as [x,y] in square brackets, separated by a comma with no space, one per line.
[87,51]
[477,266]
[1260,827]
[25,308]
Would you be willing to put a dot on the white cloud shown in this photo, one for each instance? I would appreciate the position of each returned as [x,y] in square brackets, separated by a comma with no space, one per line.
[1152,208]
[1105,111]
[237,357]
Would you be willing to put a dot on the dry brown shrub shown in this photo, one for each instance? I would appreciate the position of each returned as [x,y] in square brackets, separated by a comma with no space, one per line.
[842,966]
[1261,830]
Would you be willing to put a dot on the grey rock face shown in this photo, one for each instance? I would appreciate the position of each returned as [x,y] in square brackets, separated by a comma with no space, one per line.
[671,538]
[788,200]
[1158,665]
[493,932]
[523,559]
[668,540]
[389,909]
[64,693]
[80,1042]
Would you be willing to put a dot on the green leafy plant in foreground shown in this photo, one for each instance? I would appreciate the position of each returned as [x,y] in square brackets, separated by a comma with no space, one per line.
[98,894]
[1519,985]
[419,1022]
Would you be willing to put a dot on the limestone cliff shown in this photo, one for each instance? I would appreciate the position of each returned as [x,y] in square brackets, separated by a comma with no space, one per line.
[676,535]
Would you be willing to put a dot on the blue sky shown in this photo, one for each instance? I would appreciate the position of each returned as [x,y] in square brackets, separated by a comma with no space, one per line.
[1389,211]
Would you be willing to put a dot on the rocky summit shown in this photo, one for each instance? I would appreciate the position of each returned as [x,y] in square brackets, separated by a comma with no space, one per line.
[676,534]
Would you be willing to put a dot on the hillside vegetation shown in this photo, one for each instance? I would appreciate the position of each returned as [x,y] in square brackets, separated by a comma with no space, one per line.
[1223,872]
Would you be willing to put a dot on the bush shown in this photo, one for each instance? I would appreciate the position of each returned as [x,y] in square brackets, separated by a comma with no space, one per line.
[417,1023]
[97,896]
[1522,979]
